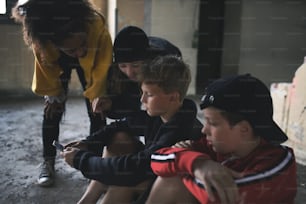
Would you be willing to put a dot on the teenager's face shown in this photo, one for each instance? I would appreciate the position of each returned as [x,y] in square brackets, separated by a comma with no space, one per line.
[131,69]
[220,135]
[155,100]
[75,46]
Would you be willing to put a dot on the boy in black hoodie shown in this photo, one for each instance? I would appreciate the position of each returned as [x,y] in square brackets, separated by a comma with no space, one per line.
[167,119]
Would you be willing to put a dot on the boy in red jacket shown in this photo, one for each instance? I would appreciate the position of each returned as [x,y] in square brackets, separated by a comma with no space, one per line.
[240,159]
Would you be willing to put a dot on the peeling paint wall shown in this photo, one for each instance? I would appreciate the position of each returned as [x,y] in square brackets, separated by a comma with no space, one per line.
[289,100]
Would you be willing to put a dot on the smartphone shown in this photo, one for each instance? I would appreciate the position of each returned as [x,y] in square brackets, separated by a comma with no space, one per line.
[58,146]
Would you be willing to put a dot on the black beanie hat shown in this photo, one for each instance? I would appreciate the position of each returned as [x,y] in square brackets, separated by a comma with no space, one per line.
[131,44]
[161,47]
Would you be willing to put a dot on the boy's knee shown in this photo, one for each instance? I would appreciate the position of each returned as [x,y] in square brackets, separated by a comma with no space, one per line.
[170,190]
[121,144]
[170,181]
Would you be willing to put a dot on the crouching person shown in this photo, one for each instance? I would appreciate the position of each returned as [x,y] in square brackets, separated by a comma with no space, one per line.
[124,174]
[240,159]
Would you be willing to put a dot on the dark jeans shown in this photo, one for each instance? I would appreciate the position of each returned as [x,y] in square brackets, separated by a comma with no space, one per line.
[50,127]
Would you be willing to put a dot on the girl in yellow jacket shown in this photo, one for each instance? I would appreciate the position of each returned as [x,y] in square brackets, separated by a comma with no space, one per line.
[64,35]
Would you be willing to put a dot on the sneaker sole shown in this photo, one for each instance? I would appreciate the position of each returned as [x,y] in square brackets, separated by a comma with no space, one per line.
[45,182]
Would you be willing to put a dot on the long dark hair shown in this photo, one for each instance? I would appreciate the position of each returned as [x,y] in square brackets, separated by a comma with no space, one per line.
[52,20]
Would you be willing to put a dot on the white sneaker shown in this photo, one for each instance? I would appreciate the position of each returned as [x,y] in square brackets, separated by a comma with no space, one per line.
[46,175]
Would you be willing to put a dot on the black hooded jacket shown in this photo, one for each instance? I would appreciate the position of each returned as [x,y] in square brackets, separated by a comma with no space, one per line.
[131,169]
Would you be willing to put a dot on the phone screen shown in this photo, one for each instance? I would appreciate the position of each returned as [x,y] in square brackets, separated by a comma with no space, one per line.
[58,145]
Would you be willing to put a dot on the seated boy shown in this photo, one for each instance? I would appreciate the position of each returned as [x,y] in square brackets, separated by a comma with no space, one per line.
[168,118]
[240,159]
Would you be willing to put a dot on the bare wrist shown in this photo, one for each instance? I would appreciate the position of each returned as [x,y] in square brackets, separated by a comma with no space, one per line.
[198,163]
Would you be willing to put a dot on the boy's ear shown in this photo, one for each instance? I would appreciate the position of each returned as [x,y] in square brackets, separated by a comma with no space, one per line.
[175,96]
[245,126]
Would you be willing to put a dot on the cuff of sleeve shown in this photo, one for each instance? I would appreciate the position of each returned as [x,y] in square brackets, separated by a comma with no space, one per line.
[186,159]
[78,158]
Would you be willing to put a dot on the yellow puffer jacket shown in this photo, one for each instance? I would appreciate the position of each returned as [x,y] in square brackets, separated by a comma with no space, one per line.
[95,64]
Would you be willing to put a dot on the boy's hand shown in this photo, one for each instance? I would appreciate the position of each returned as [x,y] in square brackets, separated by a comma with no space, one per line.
[77,144]
[183,144]
[217,179]
[101,104]
[69,154]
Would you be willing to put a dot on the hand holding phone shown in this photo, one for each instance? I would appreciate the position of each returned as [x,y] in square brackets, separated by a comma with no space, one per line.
[58,146]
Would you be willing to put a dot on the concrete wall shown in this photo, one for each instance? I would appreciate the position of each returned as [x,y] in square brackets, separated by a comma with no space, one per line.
[268,38]
[130,13]
[154,18]
[231,39]
[296,117]
[289,101]
[16,62]
[265,38]
[177,21]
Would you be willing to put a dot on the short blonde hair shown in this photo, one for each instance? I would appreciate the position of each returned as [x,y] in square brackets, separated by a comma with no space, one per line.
[169,72]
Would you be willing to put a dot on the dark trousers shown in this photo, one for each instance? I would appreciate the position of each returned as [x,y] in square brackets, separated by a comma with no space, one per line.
[50,127]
